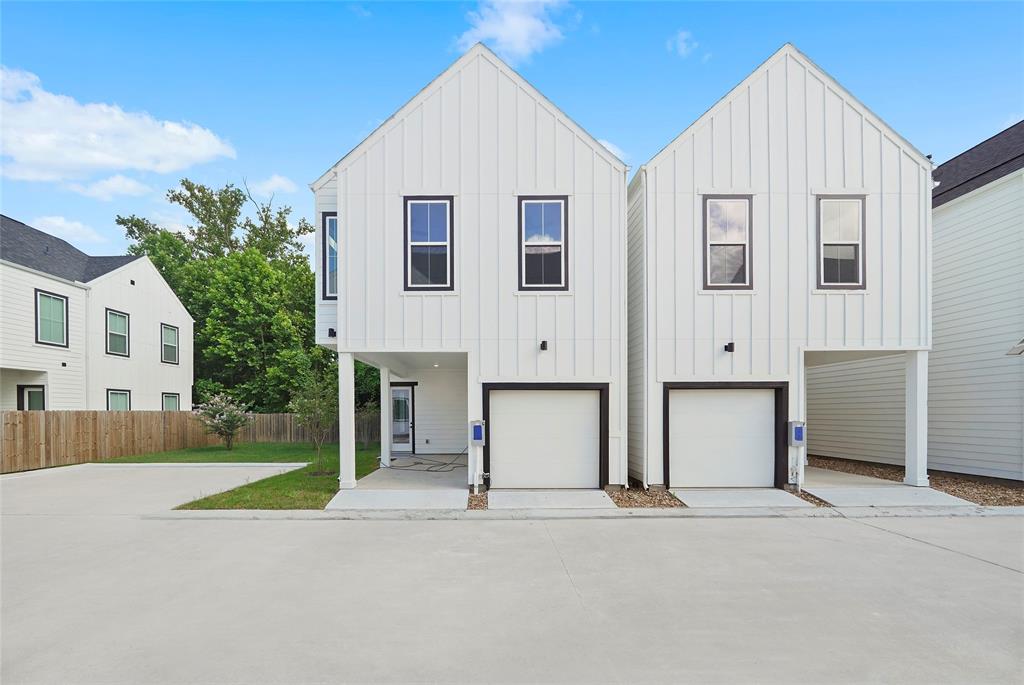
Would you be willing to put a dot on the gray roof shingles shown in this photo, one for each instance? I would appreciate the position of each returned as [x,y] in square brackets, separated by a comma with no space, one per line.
[34,249]
[987,161]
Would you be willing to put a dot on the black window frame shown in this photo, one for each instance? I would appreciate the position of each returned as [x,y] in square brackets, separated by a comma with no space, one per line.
[177,344]
[124,390]
[21,396]
[176,395]
[861,245]
[324,216]
[107,311]
[67,307]
[521,248]
[748,246]
[407,244]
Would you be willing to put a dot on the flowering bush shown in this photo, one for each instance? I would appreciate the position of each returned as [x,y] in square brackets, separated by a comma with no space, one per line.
[222,416]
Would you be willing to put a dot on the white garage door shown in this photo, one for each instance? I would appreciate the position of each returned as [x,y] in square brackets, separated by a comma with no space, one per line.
[544,438]
[721,438]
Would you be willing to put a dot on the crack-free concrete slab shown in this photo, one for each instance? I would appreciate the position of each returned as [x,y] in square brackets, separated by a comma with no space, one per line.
[549,499]
[818,477]
[738,498]
[363,499]
[897,496]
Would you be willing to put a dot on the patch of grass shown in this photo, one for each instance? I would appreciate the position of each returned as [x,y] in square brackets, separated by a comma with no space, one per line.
[300,489]
[255,452]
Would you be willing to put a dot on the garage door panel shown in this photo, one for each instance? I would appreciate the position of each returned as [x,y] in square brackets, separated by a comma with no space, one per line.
[544,438]
[722,438]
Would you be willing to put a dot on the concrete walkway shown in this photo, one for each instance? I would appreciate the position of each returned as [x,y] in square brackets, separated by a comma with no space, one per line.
[97,589]
[423,482]
[842,489]
[549,499]
[738,498]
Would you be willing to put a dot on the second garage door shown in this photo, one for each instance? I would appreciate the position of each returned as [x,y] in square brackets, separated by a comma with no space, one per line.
[721,438]
[544,438]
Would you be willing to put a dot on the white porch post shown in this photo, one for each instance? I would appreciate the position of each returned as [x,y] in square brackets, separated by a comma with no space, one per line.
[917,418]
[385,416]
[346,422]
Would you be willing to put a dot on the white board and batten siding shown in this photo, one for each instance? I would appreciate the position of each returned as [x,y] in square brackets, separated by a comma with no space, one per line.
[637,338]
[787,134]
[326,200]
[975,391]
[482,134]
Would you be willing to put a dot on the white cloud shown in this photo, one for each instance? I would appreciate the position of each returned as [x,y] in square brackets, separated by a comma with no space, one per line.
[360,11]
[274,184]
[515,29]
[51,137]
[109,188]
[72,231]
[682,43]
[613,148]
[705,58]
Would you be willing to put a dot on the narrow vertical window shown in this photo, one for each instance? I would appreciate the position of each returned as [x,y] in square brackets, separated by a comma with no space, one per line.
[117,333]
[330,255]
[119,400]
[429,242]
[51,319]
[543,243]
[168,343]
[727,240]
[171,401]
[841,243]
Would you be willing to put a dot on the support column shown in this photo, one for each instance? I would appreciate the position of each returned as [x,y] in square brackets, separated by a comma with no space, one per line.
[917,418]
[346,422]
[385,417]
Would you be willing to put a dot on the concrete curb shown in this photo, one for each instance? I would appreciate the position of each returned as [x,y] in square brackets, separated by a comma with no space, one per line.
[204,464]
[563,514]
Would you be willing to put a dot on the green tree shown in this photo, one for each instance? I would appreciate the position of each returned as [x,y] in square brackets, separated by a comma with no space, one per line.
[315,404]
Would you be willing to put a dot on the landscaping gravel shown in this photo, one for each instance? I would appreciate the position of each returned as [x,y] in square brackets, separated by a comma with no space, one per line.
[638,497]
[989,492]
[477,501]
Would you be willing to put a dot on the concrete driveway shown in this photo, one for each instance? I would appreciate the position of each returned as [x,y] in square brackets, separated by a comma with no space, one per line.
[94,592]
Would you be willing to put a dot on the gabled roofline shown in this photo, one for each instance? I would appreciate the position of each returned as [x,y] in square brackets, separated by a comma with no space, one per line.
[147,260]
[830,81]
[478,49]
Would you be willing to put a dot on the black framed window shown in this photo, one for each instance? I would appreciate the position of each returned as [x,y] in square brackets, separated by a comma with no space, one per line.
[119,400]
[170,401]
[544,243]
[841,242]
[168,343]
[51,318]
[329,248]
[31,397]
[429,243]
[728,223]
[117,333]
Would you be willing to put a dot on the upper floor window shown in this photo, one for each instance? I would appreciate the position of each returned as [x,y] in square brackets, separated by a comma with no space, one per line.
[168,343]
[727,241]
[429,243]
[330,255]
[51,319]
[543,243]
[841,243]
[117,333]
[119,400]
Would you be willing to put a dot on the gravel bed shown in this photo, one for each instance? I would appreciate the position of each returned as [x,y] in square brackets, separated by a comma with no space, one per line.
[638,497]
[989,492]
[478,501]
[808,497]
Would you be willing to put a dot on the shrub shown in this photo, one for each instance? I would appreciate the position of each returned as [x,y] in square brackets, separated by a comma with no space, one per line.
[222,416]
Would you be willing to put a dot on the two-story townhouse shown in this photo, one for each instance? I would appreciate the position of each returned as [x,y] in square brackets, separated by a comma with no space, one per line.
[473,249]
[787,227]
[85,332]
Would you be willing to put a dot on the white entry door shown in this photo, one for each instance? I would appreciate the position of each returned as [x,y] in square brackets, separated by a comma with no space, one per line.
[722,438]
[544,438]
[401,419]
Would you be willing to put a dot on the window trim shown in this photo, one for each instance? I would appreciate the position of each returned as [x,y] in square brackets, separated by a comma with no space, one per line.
[407,200]
[127,335]
[177,344]
[748,246]
[324,216]
[862,244]
[67,328]
[22,389]
[124,390]
[163,396]
[521,200]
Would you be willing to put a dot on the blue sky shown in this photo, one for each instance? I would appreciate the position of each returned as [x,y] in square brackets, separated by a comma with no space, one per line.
[107,105]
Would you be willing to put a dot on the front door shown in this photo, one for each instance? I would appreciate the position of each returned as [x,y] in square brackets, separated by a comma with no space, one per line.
[31,397]
[401,419]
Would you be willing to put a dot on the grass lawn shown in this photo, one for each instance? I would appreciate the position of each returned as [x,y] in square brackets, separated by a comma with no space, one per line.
[294,490]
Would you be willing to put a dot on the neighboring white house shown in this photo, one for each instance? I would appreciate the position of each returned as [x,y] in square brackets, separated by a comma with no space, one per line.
[82,332]
[788,226]
[473,249]
[976,384]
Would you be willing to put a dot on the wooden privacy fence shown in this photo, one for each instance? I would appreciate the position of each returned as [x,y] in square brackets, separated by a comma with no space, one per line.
[38,439]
